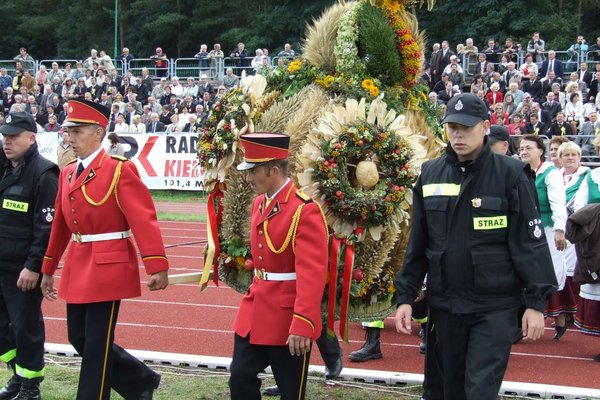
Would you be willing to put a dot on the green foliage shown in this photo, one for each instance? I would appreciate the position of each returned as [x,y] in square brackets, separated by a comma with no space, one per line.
[376,38]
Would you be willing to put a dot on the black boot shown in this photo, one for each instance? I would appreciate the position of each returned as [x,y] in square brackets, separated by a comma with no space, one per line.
[371,350]
[12,387]
[423,343]
[30,389]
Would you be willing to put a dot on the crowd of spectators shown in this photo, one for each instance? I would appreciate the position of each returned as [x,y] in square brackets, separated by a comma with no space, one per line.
[139,104]
[543,95]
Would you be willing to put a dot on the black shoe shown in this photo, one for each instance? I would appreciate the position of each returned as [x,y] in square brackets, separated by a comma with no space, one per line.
[422,344]
[149,391]
[560,331]
[335,370]
[12,388]
[30,389]
[271,391]
[597,358]
[370,350]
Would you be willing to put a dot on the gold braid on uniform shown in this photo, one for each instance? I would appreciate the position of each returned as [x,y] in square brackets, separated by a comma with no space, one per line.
[291,233]
[111,189]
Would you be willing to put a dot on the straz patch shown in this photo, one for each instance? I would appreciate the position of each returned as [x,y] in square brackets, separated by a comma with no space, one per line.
[15,205]
[488,223]
[535,229]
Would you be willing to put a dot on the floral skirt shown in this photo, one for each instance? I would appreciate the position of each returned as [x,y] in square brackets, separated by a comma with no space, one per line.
[563,301]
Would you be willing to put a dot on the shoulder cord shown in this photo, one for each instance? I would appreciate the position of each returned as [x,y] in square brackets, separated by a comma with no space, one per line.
[111,189]
[291,233]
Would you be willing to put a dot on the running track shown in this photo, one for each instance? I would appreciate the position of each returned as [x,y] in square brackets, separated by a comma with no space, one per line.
[183,320]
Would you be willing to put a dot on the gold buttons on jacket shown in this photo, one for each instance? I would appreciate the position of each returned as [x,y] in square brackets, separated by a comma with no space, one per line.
[259,258]
[75,221]
[260,232]
[72,198]
[260,246]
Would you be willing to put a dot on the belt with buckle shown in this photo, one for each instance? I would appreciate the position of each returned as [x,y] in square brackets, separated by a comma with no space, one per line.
[98,237]
[274,276]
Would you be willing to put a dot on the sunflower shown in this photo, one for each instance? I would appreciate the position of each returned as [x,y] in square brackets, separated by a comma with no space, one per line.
[368,84]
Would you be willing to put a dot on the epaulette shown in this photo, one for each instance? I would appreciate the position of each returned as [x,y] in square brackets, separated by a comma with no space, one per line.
[71,162]
[306,198]
[120,158]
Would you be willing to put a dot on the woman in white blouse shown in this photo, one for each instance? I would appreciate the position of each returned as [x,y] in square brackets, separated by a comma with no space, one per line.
[552,201]
[564,302]
[136,125]
[574,111]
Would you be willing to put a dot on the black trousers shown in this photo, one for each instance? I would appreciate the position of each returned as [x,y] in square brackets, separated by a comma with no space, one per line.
[328,347]
[473,351]
[433,385]
[91,329]
[22,332]
[249,360]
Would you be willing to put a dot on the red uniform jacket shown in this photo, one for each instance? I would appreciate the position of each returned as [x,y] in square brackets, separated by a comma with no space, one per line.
[272,310]
[107,197]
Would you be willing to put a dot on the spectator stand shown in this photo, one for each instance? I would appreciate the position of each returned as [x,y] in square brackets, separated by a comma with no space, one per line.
[137,64]
[10,66]
[592,58]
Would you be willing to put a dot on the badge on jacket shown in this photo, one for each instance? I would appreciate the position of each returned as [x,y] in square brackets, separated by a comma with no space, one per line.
[535,229]
[48,211]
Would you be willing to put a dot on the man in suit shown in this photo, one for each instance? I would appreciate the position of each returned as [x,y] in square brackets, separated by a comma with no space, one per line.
[191,125]
[509,74]
[102,266]
[551,106]
[445,55]
[543,116]
[38,117]
[155,125]
[551,64]
[112,118]
[205,86]
[594,87]
[95,89]
[534,87]
[278,321]
[434,62]
[588,131]
[448,92]
[585,75]
[535,126]
[560,127]
[131,112]
[482,65]
[206,103]
[549,81]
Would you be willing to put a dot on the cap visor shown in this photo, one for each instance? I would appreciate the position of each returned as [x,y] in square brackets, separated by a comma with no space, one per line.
[67,124]
[462,119]
[11,130]
[245,166]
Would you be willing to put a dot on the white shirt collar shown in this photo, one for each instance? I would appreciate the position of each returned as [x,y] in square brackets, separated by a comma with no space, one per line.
[278,190]
[88,160]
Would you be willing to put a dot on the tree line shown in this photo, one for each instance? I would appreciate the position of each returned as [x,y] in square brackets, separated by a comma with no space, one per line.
[66,29]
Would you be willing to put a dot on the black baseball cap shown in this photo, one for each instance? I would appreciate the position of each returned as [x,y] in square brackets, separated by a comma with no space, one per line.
[18,122]
[466,109]
[498,134]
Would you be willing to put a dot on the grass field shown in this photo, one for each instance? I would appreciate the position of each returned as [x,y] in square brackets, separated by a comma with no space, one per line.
[178,195]
[201,384]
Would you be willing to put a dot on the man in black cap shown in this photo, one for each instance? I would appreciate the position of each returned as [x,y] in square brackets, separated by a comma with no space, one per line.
[499,140]
[28,189]
[477,234]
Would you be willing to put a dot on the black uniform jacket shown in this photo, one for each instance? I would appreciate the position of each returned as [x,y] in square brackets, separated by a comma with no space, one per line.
[27,195]
[477,234]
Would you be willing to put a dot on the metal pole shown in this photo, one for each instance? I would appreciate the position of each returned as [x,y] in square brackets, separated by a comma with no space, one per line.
[116,26]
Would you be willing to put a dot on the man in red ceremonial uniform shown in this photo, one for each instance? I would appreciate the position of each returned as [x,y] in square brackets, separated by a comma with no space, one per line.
[101,201]
[280,315]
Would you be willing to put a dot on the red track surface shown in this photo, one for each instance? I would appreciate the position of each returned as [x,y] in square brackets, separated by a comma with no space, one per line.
[183,320]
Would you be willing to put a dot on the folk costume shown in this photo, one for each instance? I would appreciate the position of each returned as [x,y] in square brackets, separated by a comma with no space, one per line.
[289,249]
[98,208]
